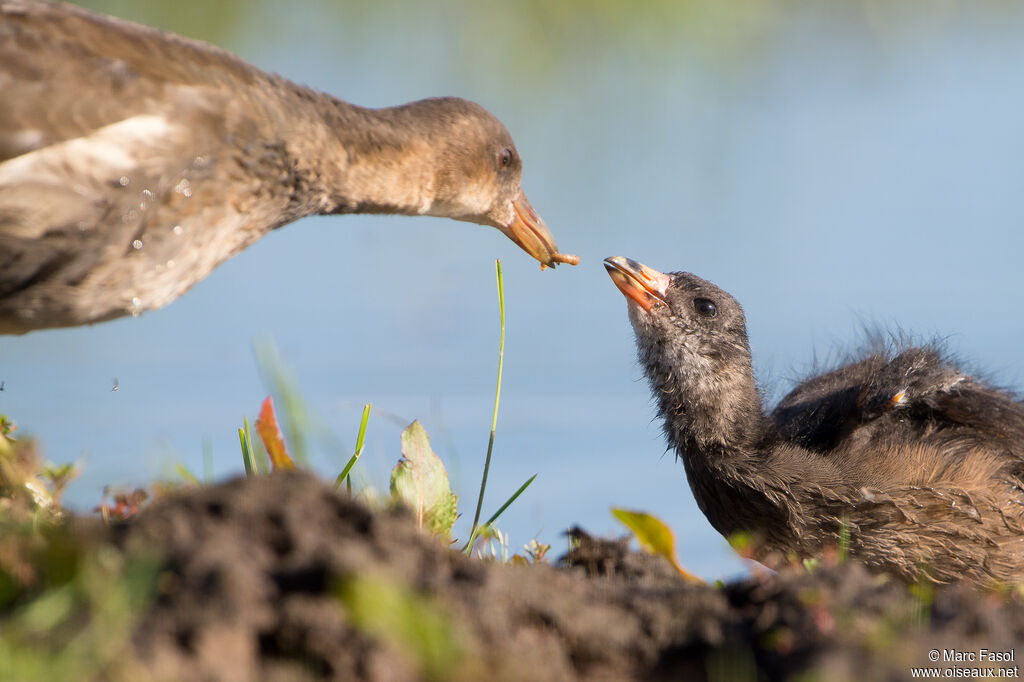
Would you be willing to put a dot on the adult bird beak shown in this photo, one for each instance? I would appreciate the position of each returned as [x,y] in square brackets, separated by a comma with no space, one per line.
[527,229]
[639,283]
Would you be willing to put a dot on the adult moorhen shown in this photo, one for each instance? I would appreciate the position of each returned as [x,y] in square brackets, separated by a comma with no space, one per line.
[921,464]
[134,161]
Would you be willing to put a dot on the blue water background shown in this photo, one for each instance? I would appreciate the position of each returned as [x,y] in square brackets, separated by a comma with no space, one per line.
[834,165]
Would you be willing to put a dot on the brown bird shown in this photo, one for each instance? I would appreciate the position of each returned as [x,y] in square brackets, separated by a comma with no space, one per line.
[920,465]
[134,161]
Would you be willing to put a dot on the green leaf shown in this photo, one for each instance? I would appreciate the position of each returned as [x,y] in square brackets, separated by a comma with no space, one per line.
[420,481]
[654,536]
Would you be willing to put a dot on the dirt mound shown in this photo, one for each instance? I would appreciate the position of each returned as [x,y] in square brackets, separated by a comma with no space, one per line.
[279,578]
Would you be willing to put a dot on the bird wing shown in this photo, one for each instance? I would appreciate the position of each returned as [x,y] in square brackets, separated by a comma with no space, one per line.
[66,72]
[914,406]
[820,410]
[130,164]
[920,386]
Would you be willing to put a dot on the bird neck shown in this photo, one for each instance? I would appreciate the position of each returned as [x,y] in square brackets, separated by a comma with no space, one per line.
[711,414]
[713,419]
[367,160]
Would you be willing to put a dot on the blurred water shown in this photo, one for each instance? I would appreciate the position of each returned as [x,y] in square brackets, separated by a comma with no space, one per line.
[830,164]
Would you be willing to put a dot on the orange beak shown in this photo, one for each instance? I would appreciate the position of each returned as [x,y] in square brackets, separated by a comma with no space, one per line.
[527,229]
[643,285]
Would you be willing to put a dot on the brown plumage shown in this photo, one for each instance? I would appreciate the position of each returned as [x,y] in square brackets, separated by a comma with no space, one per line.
[134,161]
[922,464]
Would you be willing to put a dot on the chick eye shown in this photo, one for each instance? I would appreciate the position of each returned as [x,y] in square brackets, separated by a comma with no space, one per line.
[705,307]
[505,158]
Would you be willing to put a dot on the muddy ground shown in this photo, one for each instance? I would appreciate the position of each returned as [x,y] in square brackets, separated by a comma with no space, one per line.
[279,578]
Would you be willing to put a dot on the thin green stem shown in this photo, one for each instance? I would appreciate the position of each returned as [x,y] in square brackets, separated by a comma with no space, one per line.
[497,399]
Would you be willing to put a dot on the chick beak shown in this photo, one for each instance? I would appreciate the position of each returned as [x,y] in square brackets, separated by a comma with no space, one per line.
[527,229]
[643,285]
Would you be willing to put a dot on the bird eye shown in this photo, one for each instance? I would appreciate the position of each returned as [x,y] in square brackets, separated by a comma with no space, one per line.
[505,158]
[705,307]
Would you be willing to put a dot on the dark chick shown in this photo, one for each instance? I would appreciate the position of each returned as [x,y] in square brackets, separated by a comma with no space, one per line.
[921,464]
[134,161]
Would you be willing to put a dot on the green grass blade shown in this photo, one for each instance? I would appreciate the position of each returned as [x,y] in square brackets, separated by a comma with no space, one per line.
[344,475]
[186,475]
[247,459]
[510,500]
[494,517]
[497,398]
[844,540]
[258,461]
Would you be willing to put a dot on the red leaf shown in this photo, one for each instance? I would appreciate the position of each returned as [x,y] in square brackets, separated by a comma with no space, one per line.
[272,439]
